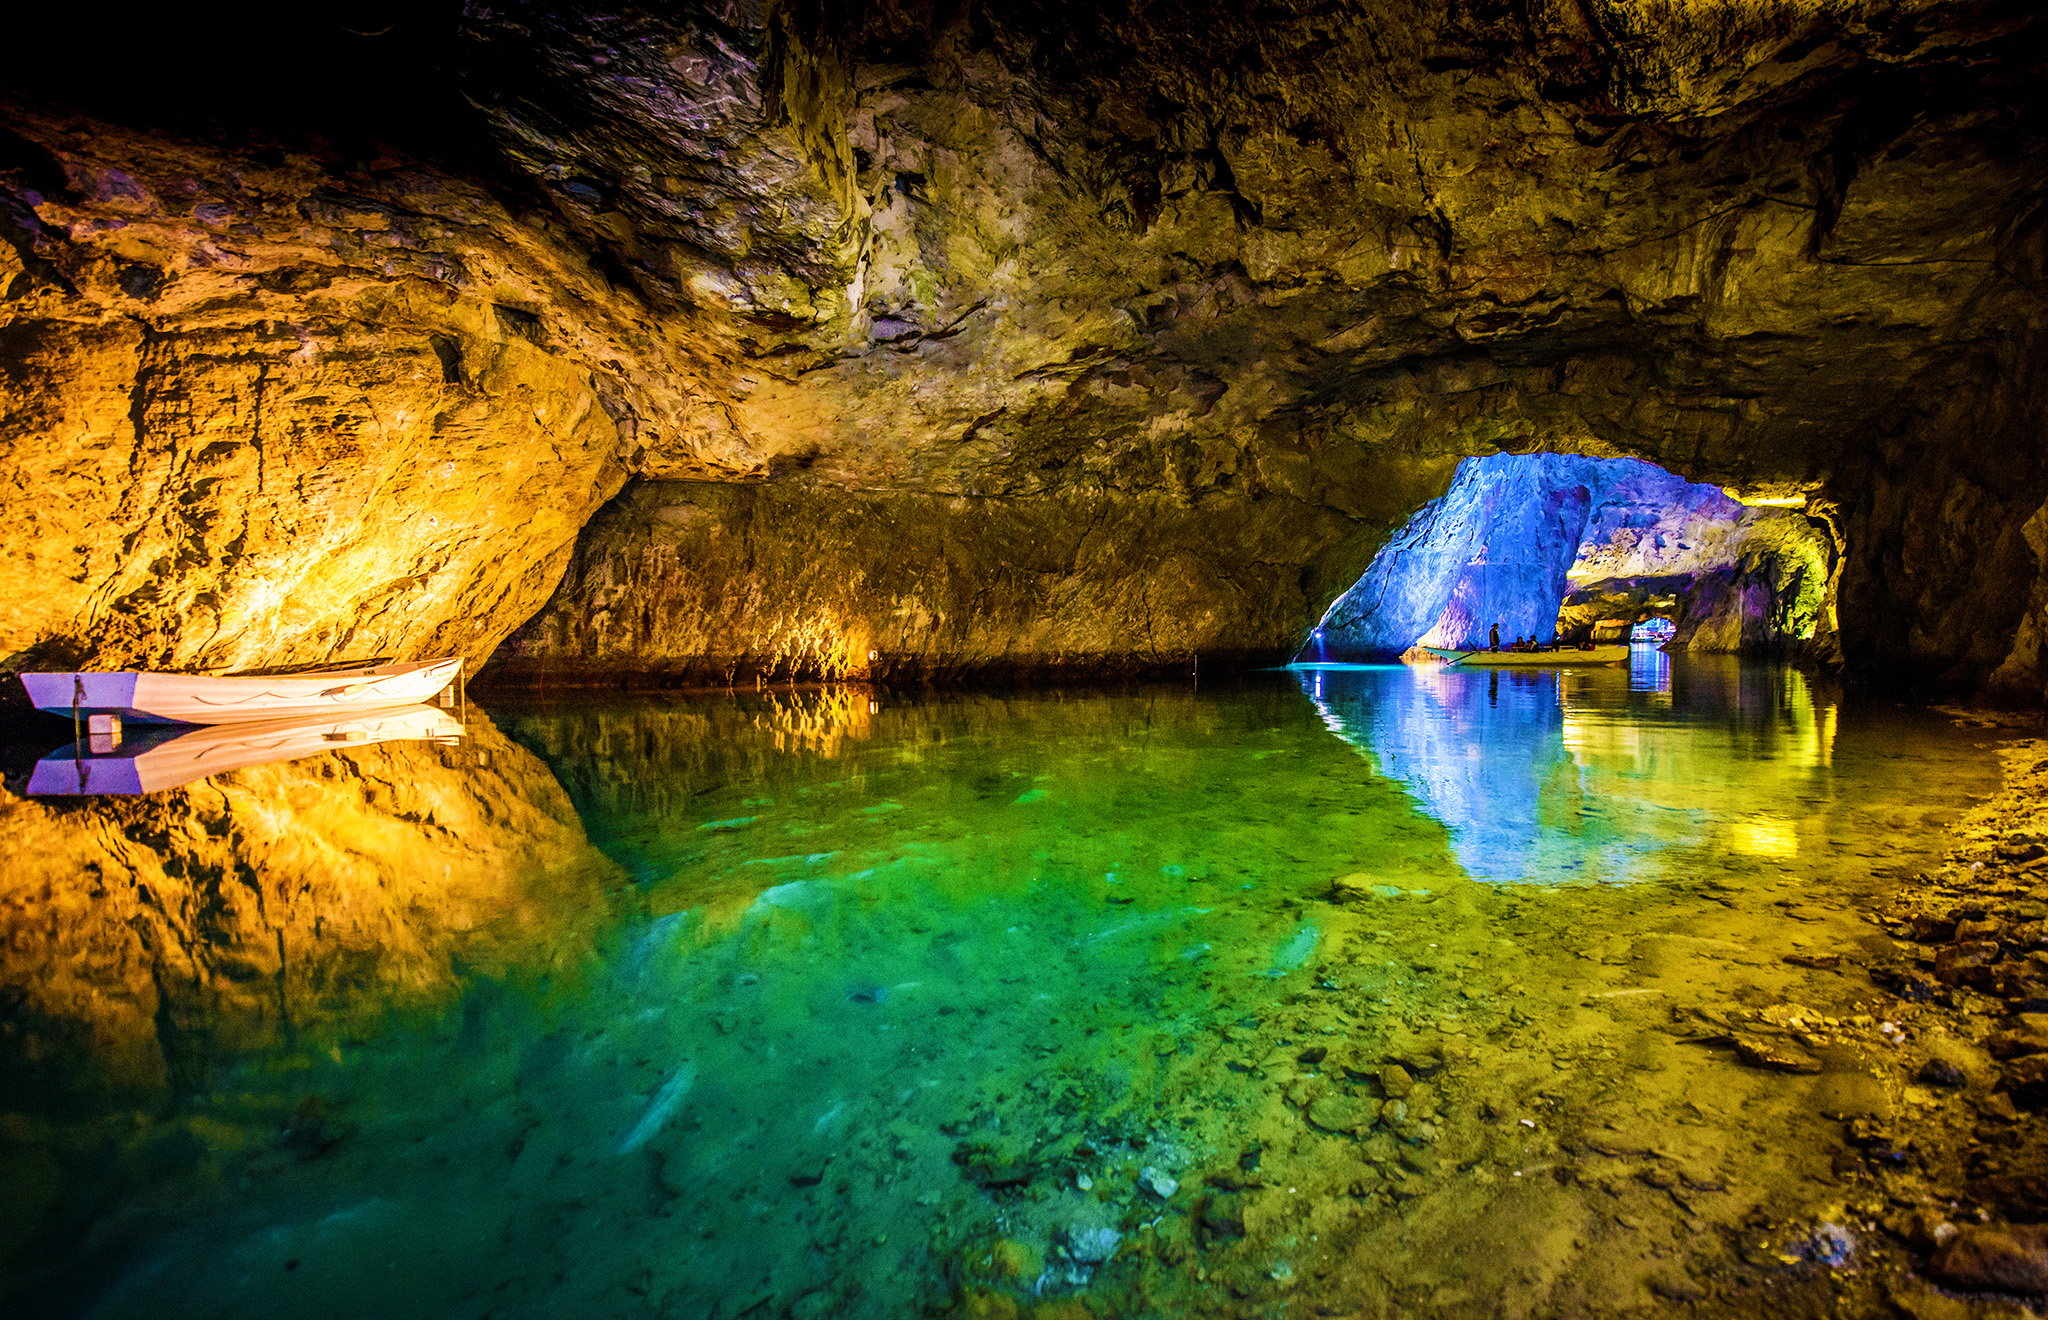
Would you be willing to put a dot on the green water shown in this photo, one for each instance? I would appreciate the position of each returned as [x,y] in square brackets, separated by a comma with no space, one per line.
[1304,991]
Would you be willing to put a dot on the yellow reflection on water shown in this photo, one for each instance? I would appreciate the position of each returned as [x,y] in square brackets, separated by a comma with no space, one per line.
[1682,781]
[1600,775]
[1764,836]
[819,721]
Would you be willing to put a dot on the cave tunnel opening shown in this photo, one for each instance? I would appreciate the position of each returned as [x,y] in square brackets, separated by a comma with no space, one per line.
[1566,549]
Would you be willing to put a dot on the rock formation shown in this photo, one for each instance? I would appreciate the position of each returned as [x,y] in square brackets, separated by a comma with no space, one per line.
[1024,278]
[1500,547]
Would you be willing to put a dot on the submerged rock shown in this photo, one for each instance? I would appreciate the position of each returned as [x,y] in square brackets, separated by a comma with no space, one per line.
[1341,1112]
[1940,1072]
[1161,1184]
[995,1165]
[1221,1218]
[1762,1052]
[1851,1095]
[1828,1244]
[1092,1246]
[1968,963]
[2007,1258]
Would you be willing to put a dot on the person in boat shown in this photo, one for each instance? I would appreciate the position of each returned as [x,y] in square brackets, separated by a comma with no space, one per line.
[1493,638]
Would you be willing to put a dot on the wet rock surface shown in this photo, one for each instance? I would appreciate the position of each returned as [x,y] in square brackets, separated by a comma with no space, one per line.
[261,413]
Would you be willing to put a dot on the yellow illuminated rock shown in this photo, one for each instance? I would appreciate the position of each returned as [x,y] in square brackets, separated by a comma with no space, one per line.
[273,906]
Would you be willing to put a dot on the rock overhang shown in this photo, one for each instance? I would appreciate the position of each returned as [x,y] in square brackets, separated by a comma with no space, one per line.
[1047,255]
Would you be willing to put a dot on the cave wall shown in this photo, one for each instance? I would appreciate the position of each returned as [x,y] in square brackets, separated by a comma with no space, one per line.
[1758,581]
[1946,530]
[256,415]
[278,388]
[706,582]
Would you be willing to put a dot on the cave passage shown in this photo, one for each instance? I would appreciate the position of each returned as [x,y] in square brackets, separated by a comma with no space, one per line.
[1561,547]
[872,464]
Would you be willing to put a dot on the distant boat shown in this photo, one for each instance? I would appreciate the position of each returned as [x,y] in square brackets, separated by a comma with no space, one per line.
[151,698]
[1612,654]
[168,755]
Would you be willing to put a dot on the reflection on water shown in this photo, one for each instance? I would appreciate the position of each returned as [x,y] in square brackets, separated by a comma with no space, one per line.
[1649,670]
[1607,775]
[151,758]
[276,907]
[818,1004]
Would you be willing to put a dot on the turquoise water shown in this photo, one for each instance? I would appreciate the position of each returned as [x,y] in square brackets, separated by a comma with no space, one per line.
[1296,992]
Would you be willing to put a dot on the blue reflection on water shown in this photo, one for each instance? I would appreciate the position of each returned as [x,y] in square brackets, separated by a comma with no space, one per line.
[1543,776]
[1649,669]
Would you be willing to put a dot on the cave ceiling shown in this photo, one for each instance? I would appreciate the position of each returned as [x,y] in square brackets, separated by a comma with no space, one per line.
[507,257]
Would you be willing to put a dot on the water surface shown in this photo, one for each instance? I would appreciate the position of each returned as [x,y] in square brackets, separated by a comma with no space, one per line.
[1360,987]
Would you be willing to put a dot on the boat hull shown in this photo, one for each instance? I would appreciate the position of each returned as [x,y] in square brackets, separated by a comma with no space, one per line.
[1599,655]
[151,698]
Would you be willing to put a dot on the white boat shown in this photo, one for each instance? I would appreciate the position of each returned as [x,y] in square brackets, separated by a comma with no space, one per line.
[167,756]
[1599,655]
[151,698]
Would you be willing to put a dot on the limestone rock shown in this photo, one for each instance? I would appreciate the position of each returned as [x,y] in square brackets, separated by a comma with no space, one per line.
[1496,549]
[1270,274]
[1773,1054]
[1337,1111]
[1968,963]
[267,415]
[715,580]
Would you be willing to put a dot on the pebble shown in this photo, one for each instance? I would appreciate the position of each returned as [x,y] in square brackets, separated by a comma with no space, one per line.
[1940,1072]
[1092,1246]
[2008,1258]
[1338,1112]
[1163,1186]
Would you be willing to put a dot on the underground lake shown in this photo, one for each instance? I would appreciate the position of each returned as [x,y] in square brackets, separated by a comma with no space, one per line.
[1340,989]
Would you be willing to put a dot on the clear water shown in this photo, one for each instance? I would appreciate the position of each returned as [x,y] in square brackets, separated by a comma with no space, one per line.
[1055,1004]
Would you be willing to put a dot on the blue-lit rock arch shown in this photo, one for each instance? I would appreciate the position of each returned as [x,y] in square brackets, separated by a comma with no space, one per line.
[1516,535]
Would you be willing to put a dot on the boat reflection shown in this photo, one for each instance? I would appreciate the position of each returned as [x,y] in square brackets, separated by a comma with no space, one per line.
[1548,776]
[165,756]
